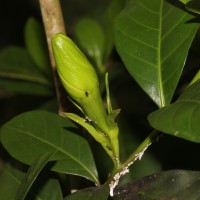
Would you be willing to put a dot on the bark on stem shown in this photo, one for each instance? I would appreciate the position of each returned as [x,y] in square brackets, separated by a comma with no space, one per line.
[53,23]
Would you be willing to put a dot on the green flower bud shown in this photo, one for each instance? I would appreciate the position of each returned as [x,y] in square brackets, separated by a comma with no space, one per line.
[75,71]
[80,81]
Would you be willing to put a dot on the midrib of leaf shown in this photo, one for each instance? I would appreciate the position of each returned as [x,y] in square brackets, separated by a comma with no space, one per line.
[57,148]
[160,81]
[25,77]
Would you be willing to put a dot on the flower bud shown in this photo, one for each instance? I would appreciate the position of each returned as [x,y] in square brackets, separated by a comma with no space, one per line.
[79,79]
[75,71]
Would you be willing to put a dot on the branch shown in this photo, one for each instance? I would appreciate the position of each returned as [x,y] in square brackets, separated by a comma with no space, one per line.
[123,169]
[53,23]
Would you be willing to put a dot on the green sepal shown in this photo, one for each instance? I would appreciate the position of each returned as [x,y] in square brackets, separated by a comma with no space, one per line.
[109,105]
[113,115]
[110,118]
[79,107]
[196,78]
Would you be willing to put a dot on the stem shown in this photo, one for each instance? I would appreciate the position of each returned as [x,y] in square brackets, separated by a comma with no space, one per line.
[53,23]
[147,141]
[137,154]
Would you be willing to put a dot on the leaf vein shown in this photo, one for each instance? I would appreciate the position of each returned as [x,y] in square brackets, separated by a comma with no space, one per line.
[141,24]
[148,9]
[55,147]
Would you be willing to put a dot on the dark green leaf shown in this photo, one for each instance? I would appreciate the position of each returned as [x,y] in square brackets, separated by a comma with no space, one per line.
[51,191]
[91,38]
[181,118]
[174,184]
[114,7]
[193,6]
[10,179]
[35,42]
[153,39]
[25,87]
[32,134]
[97,193]
[19,73]
[31,175]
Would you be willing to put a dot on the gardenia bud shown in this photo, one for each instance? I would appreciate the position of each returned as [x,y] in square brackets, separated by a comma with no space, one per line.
[75,71]
[80,81]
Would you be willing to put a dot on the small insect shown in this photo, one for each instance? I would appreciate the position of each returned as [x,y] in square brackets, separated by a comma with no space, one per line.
[88,120]
[86,94]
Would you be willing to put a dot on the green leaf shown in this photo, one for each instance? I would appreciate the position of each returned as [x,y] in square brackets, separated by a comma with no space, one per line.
[36,45]
[193,6]
[18,73]
[174,184]
[25,87]
[51,190]
[32,134]
[10,179]
[184,1]
[153,39]
[114,7]
[91,38]
[181,118]
[97,193]
[31,175]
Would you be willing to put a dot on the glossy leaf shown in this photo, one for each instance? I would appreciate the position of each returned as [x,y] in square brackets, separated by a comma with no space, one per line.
[153,39]
[91,38]
[36,45]
[181,118]
[31,175]
[18,73]
[174,184]
[32,134]
[97,193]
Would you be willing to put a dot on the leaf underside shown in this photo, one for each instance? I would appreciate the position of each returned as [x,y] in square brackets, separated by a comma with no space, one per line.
[97,193]
[174,184]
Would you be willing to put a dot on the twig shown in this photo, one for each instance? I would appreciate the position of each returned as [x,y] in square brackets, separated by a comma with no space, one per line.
[123,169]
[53,23]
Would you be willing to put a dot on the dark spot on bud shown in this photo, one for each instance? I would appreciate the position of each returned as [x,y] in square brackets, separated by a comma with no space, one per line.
[86,94]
